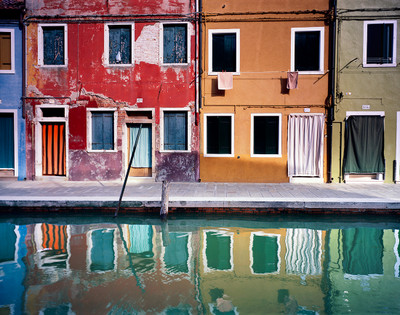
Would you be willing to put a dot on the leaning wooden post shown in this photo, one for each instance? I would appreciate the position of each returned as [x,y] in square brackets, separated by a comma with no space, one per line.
[164,199]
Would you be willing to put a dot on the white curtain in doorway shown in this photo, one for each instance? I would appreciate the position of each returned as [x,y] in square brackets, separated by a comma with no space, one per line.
[305,144]
[303,252]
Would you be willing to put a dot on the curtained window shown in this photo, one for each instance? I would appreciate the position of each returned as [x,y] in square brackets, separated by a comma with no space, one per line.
[363,152]
[305,145]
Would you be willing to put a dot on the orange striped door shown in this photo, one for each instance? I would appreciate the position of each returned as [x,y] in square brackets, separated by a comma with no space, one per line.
[53,149]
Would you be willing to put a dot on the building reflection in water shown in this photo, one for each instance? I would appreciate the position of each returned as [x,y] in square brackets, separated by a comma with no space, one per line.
[183,268]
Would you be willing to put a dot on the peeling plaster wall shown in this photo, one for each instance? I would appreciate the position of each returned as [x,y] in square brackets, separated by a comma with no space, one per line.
[87,82]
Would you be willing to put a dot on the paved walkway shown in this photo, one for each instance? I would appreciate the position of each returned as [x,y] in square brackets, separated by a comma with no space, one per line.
[322,198]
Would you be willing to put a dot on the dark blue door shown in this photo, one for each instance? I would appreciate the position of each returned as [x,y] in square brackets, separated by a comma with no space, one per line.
[6,141]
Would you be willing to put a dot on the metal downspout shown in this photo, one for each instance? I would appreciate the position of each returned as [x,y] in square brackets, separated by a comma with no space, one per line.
[331,116]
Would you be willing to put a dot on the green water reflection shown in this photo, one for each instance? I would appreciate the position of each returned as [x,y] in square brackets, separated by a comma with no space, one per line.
[195,266]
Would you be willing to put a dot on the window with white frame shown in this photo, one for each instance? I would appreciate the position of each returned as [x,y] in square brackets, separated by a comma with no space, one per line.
[175,130]
[266,135]
[7,57]
[224,51]
[102,130]
[307,50]
[53,45]
[380,43]
[175,43]
[118,44]
[219,135]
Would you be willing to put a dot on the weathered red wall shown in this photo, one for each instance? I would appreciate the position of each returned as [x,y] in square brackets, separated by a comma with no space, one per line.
[87,78]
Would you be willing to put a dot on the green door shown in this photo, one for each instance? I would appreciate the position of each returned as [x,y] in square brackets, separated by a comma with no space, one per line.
[6,141]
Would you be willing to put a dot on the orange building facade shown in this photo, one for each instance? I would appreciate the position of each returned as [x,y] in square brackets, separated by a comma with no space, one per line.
[265,91]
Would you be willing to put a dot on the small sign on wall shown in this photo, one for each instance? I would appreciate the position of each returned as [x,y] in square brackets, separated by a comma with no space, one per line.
[366,107]
[306,110]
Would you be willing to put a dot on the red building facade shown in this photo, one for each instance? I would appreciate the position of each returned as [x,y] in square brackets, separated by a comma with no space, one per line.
[98,71]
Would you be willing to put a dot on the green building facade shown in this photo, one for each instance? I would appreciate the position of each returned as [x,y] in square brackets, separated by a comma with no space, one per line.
[366,103]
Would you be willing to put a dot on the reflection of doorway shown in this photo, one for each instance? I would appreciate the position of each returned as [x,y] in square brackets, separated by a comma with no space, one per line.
[53,149]
[142,161]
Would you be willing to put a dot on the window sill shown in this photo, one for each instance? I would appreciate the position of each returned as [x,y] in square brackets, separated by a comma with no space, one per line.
[216,73]
[101,151]
[175,64]
[311,72]
[175,151]
[266,155]
[219,155]
[7,71]
[376,65]
[53,66]
[118,65]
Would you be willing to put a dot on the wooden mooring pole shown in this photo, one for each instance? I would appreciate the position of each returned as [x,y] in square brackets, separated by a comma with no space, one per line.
[164,199]
[127,171]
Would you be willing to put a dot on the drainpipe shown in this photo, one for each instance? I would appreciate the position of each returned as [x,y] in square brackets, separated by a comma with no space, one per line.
[200,51]
[331,116]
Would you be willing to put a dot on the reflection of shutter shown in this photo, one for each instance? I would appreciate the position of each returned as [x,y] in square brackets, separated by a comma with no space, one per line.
[176,253]
[7,244]
[53,45]
[362,251]
[364,136]
[141,239]
[7,141]
[102,131]
[175,44]
[175,131]
[102,252]
[5,51]
[218,251]
[265,254]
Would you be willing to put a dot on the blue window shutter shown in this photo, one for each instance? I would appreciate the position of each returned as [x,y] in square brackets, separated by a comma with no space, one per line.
[120,45]
[6,141]
[175,43]
[103,131]
[108,131]
[53,45]
[175,131]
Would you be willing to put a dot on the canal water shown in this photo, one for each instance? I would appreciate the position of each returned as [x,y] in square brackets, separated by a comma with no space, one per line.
[192,265]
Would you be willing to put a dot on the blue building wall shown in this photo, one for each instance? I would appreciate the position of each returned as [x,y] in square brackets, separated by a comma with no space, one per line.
[11,87]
